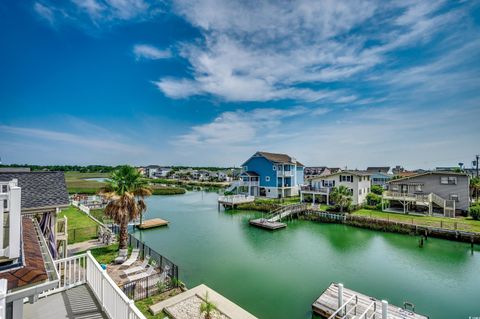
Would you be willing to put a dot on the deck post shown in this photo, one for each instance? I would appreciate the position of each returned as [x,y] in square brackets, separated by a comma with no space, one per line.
[384,309]
[340,297]
[301,197]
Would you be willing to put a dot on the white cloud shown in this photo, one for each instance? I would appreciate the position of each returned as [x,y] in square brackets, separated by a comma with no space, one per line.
[90,142]
[396,135]
[285,50]
[146,51]
[44,12]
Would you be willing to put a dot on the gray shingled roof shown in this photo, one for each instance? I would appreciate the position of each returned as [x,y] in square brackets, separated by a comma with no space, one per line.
[40,189]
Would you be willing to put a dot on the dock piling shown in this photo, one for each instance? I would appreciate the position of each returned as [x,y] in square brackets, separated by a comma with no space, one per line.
[384,309]
[340,298]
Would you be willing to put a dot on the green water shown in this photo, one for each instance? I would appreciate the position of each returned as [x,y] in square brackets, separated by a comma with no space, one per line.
[279,274]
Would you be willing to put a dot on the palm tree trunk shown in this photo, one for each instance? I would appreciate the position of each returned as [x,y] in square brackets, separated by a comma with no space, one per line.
[123,244]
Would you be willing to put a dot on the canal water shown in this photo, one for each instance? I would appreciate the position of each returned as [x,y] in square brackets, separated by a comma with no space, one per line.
[279,274]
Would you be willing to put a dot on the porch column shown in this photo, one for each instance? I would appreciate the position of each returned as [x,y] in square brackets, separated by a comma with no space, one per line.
[313,199]
[301,197]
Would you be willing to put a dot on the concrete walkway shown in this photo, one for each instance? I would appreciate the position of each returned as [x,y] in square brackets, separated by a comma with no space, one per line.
[84,246]
[223,304]
[75,303]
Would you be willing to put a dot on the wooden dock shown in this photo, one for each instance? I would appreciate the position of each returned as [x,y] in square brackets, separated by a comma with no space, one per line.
[356,304]
[265,223]
[153,223]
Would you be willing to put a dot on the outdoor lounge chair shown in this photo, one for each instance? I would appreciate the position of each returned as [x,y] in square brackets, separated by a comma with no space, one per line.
[150,271]
[142,267]
[133,258]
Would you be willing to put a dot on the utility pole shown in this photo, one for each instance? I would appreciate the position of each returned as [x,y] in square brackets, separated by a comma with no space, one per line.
[476,162]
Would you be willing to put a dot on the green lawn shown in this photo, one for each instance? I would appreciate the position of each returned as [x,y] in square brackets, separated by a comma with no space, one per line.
[463,223]
[80,226]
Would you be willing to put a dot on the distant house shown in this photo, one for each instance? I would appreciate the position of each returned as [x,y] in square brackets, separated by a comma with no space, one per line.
[151,170]
[313,171]
[358,182]
[443,192]
[31,200]
[162,172]
[271,175]
[379,175]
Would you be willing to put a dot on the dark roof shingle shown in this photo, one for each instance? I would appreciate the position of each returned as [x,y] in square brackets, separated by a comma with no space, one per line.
[40,189]
[279,158]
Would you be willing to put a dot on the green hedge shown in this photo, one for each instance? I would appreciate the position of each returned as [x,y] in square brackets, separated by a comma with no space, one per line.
[168,191]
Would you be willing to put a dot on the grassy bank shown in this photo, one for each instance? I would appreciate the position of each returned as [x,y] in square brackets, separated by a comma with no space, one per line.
[76,183]
[460,223]
[188,183]
[166,190]
[268,204]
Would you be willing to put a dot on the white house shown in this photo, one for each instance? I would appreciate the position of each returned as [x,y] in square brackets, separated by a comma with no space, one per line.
[358,182]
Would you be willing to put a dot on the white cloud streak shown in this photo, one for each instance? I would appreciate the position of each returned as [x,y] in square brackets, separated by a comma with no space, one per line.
[150,52]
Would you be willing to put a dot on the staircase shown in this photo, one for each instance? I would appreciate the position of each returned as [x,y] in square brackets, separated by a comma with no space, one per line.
[447,205]
[234,185]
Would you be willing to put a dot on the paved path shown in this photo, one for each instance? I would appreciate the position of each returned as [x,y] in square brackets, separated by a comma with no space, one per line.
[75,303]
[84,246]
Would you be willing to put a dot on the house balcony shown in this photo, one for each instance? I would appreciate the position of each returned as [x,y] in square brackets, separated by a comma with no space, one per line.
[315,190]
[410,197]
[285,173]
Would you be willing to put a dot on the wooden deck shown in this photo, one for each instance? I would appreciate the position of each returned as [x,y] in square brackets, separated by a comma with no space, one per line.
[327,304]
[264,223]
[152,223]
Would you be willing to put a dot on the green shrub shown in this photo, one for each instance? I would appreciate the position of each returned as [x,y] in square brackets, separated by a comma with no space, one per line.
[475,212]
[373,199]
[377,189]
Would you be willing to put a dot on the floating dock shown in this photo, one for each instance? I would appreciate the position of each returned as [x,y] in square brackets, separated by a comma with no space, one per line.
[348,303]
[153,223]
[267,224]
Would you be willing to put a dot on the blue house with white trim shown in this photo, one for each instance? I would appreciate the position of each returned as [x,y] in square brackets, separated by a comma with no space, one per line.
[271,175]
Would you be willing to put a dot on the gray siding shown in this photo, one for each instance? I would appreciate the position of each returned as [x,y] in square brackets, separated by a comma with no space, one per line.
[431,184]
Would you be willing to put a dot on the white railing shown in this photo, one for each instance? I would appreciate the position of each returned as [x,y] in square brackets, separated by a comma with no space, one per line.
[236,199]
[114,302]
[84,269]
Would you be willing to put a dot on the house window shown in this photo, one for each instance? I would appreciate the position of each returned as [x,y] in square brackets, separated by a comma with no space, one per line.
[360,191]
[418,188]
[351,191]
[5,204]
[245,168]
[454,197]
[448,180]
[274,167]
[267,178]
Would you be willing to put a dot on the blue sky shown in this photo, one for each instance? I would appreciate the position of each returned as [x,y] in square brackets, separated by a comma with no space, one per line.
[337,83]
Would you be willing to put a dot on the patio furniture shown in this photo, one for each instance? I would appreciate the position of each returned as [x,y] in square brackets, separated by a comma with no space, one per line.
[150,271]
[142,267]
[133,258]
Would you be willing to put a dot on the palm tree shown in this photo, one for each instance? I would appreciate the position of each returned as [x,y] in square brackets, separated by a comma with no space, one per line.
[475,187]
[125,191]
[207,307]
[342,197]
